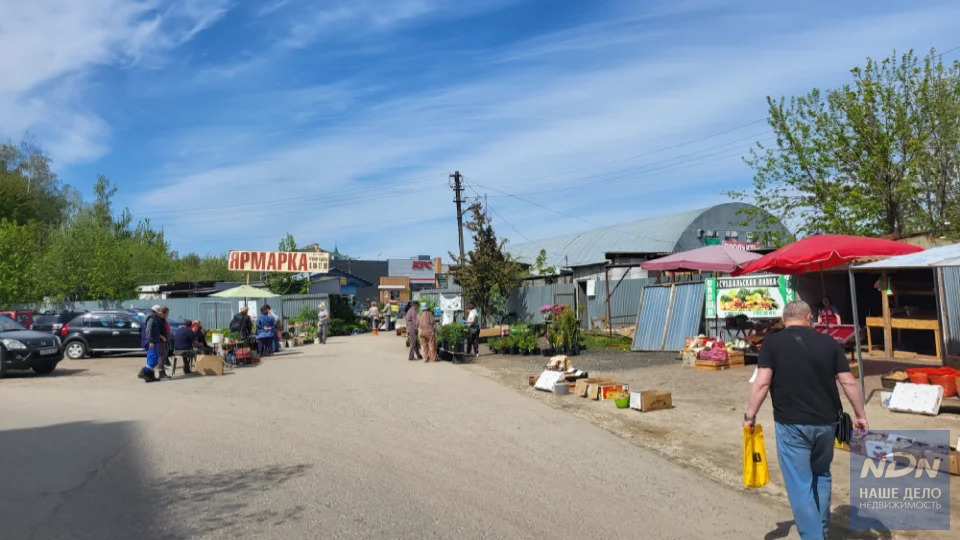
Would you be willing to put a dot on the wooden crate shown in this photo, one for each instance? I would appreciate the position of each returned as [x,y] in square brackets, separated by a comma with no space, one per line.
[712,366]
[735,358]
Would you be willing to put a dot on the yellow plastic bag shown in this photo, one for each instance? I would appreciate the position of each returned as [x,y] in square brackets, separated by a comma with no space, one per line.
[756,474]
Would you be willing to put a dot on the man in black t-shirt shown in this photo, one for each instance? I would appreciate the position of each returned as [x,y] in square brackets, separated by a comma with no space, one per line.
[799,367]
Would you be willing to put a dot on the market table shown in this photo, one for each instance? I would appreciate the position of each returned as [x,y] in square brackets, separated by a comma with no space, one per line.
[902,323]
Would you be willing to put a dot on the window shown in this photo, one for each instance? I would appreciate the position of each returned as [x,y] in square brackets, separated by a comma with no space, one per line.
[394,295]
[96,321]
[122,322]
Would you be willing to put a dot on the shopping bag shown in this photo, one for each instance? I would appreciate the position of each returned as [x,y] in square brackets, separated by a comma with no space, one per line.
[756,473]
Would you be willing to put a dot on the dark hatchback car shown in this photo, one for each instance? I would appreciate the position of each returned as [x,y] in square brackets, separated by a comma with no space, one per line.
[98,332]
[27,349]
[52,322]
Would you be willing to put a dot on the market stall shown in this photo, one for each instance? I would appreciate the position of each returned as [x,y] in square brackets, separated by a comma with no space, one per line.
[718,259]
[821,252]
[919,295]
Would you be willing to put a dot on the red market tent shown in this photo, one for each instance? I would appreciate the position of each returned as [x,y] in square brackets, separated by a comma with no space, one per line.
[816,253]
[721,258]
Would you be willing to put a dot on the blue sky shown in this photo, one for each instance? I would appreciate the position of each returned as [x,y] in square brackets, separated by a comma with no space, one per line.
[229,123]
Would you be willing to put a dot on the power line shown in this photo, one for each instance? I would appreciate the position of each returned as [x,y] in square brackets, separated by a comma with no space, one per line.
[667,168]
[664,149]
[492,209]
[287,202]
[643,170]
[344,227]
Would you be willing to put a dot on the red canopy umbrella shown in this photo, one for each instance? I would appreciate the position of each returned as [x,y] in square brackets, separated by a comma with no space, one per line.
[816,253]
[720,258]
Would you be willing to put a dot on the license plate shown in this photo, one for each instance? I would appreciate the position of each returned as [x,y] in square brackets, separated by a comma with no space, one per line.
[45,352]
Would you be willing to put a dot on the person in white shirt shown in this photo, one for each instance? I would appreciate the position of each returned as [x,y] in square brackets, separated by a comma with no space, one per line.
[374,314]
[322,319]
[473,327]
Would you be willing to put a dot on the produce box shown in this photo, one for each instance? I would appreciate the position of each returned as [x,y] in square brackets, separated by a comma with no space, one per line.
[651,400]
[712,366]
[607,390]
[208,364]
[582,385]
[735,357]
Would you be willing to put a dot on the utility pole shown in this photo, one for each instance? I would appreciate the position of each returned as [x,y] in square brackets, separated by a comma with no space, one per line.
[457,186]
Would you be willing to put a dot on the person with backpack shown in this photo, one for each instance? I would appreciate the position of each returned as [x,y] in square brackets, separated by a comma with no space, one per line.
[242,324]
[150,341]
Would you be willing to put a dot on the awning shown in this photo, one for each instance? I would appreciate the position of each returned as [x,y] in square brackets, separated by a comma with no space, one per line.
[392,287]
[937,257]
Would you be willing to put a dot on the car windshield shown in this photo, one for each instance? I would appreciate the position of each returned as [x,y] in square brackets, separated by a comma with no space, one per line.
[46,319]
[9,325]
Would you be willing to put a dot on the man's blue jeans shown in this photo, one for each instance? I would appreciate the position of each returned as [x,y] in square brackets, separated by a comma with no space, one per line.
[153,357]
[805,453]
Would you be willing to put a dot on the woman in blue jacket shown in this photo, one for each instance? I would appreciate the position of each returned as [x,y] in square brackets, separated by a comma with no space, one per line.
[265,334]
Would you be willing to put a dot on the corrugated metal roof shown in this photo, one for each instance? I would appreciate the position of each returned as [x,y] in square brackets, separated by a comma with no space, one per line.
[658,234]
[933,257]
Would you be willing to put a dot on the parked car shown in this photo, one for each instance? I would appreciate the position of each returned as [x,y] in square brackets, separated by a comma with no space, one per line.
[26,349]
[101,332]
[25,318]
[141,314]
[52,322]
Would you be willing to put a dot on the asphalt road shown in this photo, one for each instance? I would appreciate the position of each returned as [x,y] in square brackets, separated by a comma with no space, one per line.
[344,440]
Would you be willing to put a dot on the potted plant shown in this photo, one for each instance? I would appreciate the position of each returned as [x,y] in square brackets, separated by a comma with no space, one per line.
[515,344]
[529,343]
[494,345]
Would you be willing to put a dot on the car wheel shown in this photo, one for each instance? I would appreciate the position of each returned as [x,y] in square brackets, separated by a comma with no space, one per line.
[44,368]
[3,370]
[76,350]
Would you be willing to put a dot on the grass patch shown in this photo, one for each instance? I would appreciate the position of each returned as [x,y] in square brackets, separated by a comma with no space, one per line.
[610,343]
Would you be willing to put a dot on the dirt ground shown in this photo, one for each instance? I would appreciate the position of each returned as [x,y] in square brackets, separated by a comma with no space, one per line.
[703,430]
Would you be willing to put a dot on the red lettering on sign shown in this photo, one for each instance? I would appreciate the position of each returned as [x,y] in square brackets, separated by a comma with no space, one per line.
[244,259]
[258,258]
[281,260]
[271,262]
[302,265]
[234,259]
[423,265]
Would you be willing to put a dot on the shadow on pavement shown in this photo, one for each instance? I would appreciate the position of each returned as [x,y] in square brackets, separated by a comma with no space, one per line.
[90,480]
[837,531]
[29,374]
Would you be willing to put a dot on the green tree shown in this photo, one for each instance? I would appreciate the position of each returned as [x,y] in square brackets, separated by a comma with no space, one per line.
[871,157]
[487,265]
[540,268]
[19,264]
[286,283]
[29,190]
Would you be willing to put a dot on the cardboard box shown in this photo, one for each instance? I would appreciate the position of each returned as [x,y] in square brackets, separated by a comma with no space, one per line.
[582,385]
[955,459]
[208,364]
[651,400]
[606,390]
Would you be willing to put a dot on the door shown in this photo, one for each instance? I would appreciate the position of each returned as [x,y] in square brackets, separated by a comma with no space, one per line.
[96,329]
[126,333]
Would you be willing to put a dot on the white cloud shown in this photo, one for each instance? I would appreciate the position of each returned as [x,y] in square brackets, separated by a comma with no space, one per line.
[269,8]
[535,114]
[49,46]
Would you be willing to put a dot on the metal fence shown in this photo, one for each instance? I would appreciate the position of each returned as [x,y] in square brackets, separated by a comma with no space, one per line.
[951,293]
[668,315]
[525,302]
[212,312]
[624,301]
